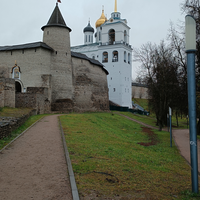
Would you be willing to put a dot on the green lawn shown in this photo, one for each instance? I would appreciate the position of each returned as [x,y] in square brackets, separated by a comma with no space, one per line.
[14,134]
[108,161]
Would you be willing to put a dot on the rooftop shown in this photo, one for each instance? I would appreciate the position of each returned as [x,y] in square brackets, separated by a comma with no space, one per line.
[26,46]
[56,19]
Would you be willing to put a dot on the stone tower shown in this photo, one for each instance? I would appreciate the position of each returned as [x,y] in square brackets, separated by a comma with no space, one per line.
[57,35]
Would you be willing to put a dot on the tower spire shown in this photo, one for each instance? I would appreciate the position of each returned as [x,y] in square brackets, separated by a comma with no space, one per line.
[115,5]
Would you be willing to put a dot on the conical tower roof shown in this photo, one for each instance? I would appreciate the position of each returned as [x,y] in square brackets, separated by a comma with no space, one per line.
[56,19]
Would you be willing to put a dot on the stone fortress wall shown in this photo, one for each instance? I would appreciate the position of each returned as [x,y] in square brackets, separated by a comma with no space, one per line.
[90,91]
[90,86]
[7,92]
[140,91]
[32,62]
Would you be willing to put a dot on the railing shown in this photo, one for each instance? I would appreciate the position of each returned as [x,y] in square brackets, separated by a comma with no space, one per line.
[115,60]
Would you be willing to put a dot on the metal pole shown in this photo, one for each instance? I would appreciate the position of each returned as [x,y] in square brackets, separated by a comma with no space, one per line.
[170,122]
[193,119]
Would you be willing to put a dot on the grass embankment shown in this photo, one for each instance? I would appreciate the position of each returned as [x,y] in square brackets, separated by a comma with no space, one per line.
[17,112]
[142,102]
[108,160]
[14,112]
[151,120]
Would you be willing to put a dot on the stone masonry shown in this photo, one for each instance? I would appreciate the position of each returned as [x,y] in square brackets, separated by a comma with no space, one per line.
[7,92]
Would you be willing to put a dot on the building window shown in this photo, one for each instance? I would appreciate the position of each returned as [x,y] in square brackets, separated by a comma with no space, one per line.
[114,89]
[115,56]
[105,57]
[86,38]
[93,57]
[129,58]
[125,56]
[89,38]
[99,36]
[125,36]
[111,35]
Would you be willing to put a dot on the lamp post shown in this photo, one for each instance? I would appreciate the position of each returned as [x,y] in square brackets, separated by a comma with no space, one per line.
[170,124]
[190,33]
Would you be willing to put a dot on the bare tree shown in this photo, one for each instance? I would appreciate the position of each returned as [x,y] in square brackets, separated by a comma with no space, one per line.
[161,77]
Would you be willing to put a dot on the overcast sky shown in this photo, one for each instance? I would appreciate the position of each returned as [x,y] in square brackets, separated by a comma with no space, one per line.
[21,20]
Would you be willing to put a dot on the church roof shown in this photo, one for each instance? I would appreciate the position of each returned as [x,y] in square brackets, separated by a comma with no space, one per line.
[101,20]
[92,61]
[88,28]
[26,46]
[56,19]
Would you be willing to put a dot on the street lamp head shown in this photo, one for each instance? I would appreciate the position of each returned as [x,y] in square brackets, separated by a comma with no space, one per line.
[190,33]
[170,111]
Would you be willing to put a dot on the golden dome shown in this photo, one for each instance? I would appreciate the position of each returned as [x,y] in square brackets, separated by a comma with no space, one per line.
[101,20]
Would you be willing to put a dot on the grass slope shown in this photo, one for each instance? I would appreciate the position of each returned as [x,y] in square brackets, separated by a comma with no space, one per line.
[14,112]
[142,102]
[151,120]
[109,162]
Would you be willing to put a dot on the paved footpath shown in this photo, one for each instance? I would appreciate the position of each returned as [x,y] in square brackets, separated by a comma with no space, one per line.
[34,166]
[182,140]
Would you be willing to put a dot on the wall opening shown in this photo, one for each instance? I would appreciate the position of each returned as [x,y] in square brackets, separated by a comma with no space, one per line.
[18,87]
[125,37]
[105,57]
[111,35]
[115,56]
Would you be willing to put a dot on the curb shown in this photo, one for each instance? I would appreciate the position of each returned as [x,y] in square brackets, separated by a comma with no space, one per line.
[20,135]
[74,189]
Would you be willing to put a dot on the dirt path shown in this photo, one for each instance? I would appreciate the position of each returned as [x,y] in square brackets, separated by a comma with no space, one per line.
[34,166]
